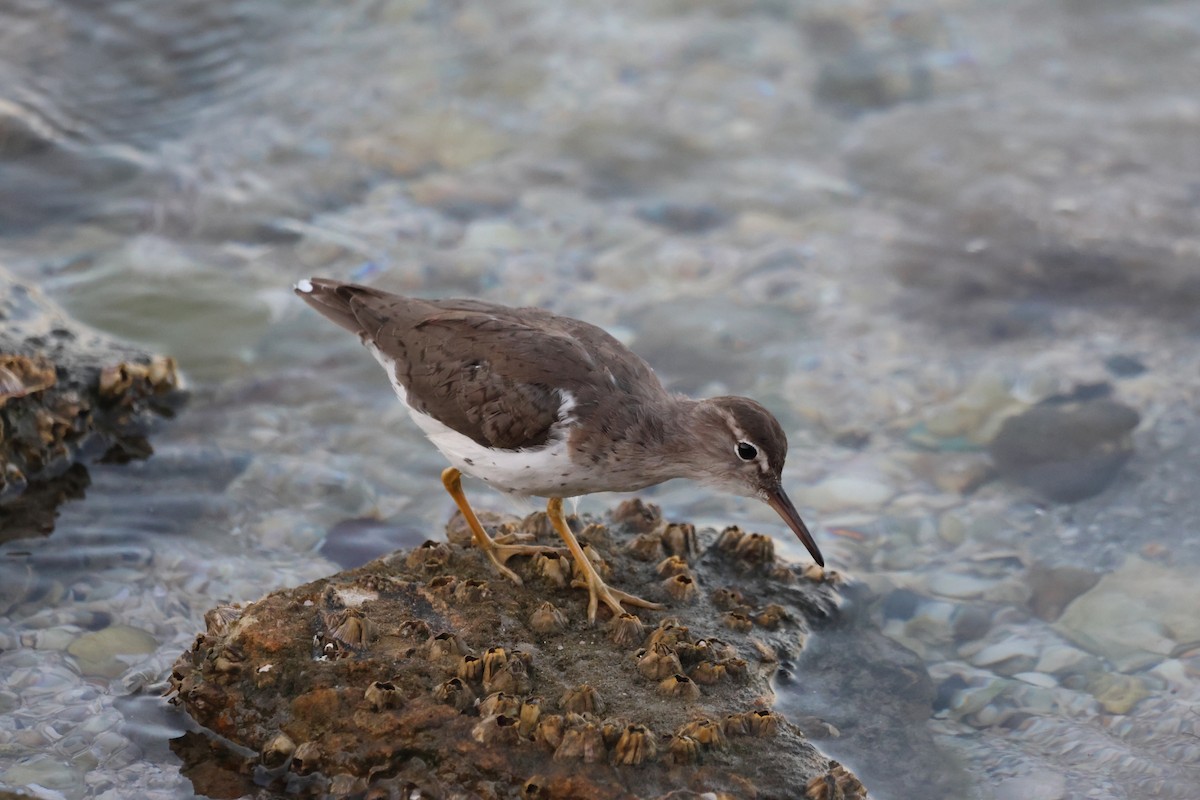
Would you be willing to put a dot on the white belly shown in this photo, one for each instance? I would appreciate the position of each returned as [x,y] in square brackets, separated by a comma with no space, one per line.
[544,471]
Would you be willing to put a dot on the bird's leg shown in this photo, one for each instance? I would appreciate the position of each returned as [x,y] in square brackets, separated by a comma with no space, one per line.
[597,588]
[497,553]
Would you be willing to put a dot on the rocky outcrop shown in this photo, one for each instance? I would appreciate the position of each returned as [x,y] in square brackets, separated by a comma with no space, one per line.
[424,673]
[67,396]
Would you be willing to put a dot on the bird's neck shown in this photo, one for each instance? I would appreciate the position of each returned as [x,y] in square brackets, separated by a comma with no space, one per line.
[683,436]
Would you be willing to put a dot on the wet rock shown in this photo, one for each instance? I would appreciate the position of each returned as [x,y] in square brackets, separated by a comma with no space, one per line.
[842,493]
[1053,588]
[1066,452]
[1041,785]
[1124,366]
[1117,693]
[496,700]
[1136,615]
[1008,657]
[683,217]
[67,396]
[99,653]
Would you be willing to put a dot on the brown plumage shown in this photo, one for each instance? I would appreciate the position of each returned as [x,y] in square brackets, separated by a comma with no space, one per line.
[536,403]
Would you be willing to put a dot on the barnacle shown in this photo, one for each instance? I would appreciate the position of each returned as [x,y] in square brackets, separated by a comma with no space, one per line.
[679,539]
[350,627]
[646,547]
[737,621]
[681,588]
[735,667]
[430,555]
[762,723]
[277,751]
[706,731]
[584,742]
[306,759]
[500,703]
[217,619]
[625,629]
[446,644]
[635,746]
[658,662]
[680,686]
[730,538]
[672,565]
[455,692]
[668,632]
[684,749]
[706,673]
[583,699]
[528,715]
[755,548]
[728,598]
[593,555]
[771,616]
[554,568]
[495,729]
[472,591]
[512,677]
[470,668]
[549,730]
[382,694]
[493,660]
[547,619]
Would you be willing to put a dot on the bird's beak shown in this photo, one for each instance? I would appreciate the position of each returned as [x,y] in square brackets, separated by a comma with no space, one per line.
[778,500]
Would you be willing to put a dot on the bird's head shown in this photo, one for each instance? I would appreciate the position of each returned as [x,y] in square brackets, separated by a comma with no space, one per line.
[743,448]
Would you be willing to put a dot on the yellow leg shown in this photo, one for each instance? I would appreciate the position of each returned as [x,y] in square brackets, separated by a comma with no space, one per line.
[597,588]
[496,552]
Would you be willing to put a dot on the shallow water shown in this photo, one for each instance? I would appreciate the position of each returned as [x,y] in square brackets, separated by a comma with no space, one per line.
[896,225]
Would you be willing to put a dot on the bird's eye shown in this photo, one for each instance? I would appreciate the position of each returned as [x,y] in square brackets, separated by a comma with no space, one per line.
[746,451]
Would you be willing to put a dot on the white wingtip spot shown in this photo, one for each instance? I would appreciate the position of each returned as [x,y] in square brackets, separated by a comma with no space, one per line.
[304,286]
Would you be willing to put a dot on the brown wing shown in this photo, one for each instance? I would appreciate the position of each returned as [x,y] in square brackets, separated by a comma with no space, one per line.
[490,372]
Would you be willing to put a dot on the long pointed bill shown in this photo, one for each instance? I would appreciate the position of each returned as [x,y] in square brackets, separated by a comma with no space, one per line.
[779,501]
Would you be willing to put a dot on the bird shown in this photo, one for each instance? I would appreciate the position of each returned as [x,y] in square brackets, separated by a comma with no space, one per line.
[534,403]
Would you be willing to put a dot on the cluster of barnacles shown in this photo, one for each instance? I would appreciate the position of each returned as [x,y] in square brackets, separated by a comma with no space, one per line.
[211,652]
[838,783]
[496,685]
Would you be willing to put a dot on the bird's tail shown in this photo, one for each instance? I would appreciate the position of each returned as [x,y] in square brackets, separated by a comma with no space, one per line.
[332,298]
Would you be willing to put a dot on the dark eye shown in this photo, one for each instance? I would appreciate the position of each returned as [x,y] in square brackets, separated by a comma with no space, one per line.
[746,451]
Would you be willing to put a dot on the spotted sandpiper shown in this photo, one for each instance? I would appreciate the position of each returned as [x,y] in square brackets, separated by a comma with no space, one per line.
[533,403]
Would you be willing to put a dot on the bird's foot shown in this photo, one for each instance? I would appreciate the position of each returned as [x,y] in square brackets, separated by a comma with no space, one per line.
[599,591]
[514,538]
[499,553]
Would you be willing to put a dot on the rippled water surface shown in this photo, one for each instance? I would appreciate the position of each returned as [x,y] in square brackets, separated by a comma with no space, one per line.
[898,225]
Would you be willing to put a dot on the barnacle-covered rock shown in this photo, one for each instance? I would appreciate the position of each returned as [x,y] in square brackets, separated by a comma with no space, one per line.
[409,653]
[67,396]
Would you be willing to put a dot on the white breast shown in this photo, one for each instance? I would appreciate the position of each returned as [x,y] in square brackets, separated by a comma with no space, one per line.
[544,471]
